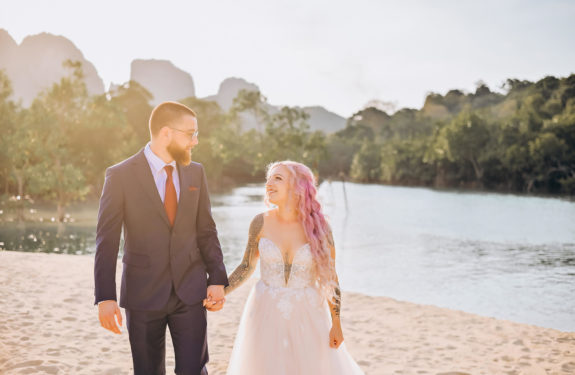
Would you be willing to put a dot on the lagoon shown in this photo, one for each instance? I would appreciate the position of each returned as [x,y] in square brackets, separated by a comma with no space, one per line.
[501,255]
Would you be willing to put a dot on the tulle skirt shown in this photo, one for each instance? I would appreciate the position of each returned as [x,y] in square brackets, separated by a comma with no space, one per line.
[285,331]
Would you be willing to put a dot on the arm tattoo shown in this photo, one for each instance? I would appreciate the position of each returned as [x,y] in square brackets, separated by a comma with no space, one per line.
[330,237]
[336,301]
[248,264]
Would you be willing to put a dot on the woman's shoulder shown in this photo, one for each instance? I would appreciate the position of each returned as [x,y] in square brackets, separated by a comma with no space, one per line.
[257,223]
[265,216]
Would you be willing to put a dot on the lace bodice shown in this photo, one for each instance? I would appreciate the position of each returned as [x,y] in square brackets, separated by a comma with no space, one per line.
[273,265]
[301,282]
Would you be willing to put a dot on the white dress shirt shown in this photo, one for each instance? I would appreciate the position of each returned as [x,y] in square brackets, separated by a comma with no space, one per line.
[159,173]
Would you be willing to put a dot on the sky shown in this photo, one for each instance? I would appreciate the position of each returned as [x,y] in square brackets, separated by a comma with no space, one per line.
[337,54]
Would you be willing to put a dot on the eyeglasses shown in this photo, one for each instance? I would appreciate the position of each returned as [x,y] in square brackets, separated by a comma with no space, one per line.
[190,134]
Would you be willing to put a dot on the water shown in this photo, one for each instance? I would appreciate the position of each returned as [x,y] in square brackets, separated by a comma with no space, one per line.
[505,256]
[48,238]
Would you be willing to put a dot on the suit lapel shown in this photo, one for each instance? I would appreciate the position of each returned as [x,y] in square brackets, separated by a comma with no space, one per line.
[185,181]
[148,184]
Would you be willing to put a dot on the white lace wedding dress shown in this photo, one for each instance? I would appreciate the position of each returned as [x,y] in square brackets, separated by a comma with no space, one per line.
[284,329]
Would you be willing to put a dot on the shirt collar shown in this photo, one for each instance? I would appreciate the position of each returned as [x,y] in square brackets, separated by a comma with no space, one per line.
[155,161]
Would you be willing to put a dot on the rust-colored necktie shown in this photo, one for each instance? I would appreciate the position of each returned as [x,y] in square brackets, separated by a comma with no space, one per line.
[170,198]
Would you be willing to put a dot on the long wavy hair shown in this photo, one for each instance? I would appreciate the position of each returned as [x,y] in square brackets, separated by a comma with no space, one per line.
[303,184]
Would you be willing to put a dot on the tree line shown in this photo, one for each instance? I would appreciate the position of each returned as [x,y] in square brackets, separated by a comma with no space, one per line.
[57,149]
[520,141]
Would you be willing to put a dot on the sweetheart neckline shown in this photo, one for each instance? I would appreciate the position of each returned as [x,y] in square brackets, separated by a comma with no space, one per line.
[280,251]
[288,278]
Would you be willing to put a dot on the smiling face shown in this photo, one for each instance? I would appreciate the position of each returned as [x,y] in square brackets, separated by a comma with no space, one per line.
[182,139]
[278,186]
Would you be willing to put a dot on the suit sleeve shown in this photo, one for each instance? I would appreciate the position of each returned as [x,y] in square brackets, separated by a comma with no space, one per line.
[208,238]
[108,232]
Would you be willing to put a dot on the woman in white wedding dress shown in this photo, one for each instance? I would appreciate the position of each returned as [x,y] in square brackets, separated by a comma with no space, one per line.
[291,321]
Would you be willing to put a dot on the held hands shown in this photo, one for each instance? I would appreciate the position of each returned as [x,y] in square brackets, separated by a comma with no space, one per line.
[335,336]
[107,310]
[215,300]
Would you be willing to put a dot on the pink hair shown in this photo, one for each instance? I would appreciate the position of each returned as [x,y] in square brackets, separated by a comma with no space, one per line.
[317,230]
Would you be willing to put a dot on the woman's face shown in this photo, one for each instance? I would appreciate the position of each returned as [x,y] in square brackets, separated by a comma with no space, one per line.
[277,185]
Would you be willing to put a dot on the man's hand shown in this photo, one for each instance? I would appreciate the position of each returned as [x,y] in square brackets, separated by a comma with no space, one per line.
[213,305]
[107,310]
[215,300]
[215,292]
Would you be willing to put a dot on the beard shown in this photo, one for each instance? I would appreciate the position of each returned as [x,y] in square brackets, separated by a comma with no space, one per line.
[180,155]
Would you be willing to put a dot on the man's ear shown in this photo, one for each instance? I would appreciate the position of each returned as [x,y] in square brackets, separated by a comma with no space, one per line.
[164,132]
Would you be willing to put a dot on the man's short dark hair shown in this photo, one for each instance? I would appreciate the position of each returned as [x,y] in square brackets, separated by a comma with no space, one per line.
[166,113]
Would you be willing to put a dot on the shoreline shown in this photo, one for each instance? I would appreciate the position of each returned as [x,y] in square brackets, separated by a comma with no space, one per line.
[48,207]
[566,327]
[49,325]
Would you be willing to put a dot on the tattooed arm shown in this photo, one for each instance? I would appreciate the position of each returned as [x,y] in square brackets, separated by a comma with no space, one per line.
[335,334]
[248,264]
[335,304]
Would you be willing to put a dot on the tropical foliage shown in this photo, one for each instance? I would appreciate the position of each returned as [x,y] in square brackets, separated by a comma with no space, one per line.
[522,140]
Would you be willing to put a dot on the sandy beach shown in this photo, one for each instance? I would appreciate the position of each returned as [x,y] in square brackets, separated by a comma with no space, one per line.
[49,325]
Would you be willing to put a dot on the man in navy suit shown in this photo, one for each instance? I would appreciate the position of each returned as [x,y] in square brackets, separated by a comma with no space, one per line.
[173,267]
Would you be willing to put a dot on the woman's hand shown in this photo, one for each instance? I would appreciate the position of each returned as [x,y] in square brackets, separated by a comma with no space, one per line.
[335,336]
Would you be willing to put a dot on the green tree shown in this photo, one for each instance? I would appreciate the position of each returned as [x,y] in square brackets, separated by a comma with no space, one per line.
[286,135]
[18,147]
[102,138]
[547,152]
[339,152]
[253,103]
[220,144]
[366,165]
[377,121]
[403,162]
[134,101]
[56,114]
[8,127]
[465,138]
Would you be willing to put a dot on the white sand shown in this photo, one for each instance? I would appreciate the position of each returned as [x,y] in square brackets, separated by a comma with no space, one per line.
[48,325]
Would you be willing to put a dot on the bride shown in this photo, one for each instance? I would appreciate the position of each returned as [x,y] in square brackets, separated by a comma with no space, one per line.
[286,327]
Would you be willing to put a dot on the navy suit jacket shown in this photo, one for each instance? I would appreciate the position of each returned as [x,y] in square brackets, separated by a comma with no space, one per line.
[157,256]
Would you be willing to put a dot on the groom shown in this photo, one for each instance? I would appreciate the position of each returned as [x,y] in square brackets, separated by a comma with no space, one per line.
[172,257]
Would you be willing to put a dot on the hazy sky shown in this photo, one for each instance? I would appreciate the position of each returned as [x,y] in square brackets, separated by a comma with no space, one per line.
[338,54]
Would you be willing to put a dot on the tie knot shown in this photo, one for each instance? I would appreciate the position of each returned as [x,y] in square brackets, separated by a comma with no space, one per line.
[169,170]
